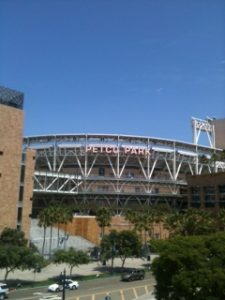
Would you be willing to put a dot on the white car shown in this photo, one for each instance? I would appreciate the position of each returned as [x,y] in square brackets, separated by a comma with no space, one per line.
[4,290]
[55,287]
[69,284]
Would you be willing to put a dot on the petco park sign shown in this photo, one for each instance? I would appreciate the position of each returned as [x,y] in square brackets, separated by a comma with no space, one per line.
[115,150]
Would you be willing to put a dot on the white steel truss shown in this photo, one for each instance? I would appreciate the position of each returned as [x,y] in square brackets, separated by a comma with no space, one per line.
[154,171]
[206,126]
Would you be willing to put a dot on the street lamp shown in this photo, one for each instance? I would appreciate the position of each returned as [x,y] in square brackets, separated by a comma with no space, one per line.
[63,280]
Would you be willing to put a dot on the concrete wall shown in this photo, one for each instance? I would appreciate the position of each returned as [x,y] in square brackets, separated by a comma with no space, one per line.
[87,227]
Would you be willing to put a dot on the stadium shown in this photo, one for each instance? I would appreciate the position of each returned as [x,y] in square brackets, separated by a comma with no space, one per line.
[88,171]
[117,171]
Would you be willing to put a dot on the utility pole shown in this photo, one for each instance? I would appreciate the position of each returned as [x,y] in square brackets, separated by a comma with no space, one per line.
[63,282]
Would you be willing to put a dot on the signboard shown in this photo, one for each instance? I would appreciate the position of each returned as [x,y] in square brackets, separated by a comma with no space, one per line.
[116,150]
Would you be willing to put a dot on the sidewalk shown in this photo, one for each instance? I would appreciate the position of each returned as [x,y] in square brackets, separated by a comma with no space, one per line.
[54,270]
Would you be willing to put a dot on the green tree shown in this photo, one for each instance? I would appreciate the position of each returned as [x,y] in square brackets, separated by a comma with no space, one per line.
[142,222]
[65,217]
[128,245]
[220,220]
[131,217]
[103,218]
[122,244]
[13,237]
[109,246]
[190,268]
[15,254]
[192,222]
[52,213]
[71,257]
[44,221]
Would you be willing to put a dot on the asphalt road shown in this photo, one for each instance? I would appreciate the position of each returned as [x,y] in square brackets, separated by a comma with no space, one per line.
[94,290]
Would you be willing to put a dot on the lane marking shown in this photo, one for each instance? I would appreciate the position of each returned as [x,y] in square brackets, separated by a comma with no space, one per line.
[135,293]
[122,295]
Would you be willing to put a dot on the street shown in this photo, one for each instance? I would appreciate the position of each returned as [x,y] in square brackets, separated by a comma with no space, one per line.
[94,290]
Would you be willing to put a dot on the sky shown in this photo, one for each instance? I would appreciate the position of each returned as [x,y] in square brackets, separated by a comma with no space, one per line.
[133,67]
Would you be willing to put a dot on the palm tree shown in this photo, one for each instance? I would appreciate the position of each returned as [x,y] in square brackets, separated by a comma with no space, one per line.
[43,221]
[159,215]
[52,214]
[173,222]
[131,217]
[103,218]
[66,217]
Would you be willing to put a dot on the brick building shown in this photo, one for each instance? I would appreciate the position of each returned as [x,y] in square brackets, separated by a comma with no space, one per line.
[206,191]
[16,165]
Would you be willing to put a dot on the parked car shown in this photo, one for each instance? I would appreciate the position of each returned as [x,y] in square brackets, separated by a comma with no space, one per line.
[69,284]
[134,274]
[4,291]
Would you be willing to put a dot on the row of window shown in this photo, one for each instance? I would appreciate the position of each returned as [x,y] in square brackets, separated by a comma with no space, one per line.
[137,189]
[21,192]
[208,189]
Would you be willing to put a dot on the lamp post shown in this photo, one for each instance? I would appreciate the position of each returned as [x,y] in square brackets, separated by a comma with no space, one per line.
[63,276]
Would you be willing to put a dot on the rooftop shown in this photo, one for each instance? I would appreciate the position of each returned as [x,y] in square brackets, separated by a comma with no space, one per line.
[11,97]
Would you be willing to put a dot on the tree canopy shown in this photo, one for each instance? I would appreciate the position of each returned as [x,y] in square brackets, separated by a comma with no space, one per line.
[15,254]
[72,257]
[190,268]
[103,218]
[122,244]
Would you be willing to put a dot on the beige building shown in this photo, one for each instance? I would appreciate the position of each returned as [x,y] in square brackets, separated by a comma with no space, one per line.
[219,126]
[16,165]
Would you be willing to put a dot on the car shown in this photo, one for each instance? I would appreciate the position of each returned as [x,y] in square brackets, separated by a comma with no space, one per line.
[55,287]
[134,274]
[4,290]
[69,284]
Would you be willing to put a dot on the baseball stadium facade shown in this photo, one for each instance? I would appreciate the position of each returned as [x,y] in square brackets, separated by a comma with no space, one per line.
[115,171]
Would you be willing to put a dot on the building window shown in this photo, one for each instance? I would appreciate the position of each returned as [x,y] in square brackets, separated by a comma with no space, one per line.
[21,194]
[130,175]
[22,174]
[156,190]
[23,157]
[209,190]
[209,196]
[101,171]
[137,189]
[102,188]
[222,189]
[19,215]
[195,190]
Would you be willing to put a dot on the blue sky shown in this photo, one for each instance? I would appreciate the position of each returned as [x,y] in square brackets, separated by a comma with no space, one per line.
[142,67]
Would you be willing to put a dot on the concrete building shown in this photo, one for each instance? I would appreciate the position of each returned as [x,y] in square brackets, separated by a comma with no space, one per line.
[93,170]
[219,126]
[16,165]
[206,191]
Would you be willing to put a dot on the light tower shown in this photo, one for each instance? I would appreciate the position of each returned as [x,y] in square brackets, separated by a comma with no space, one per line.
[206,126]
